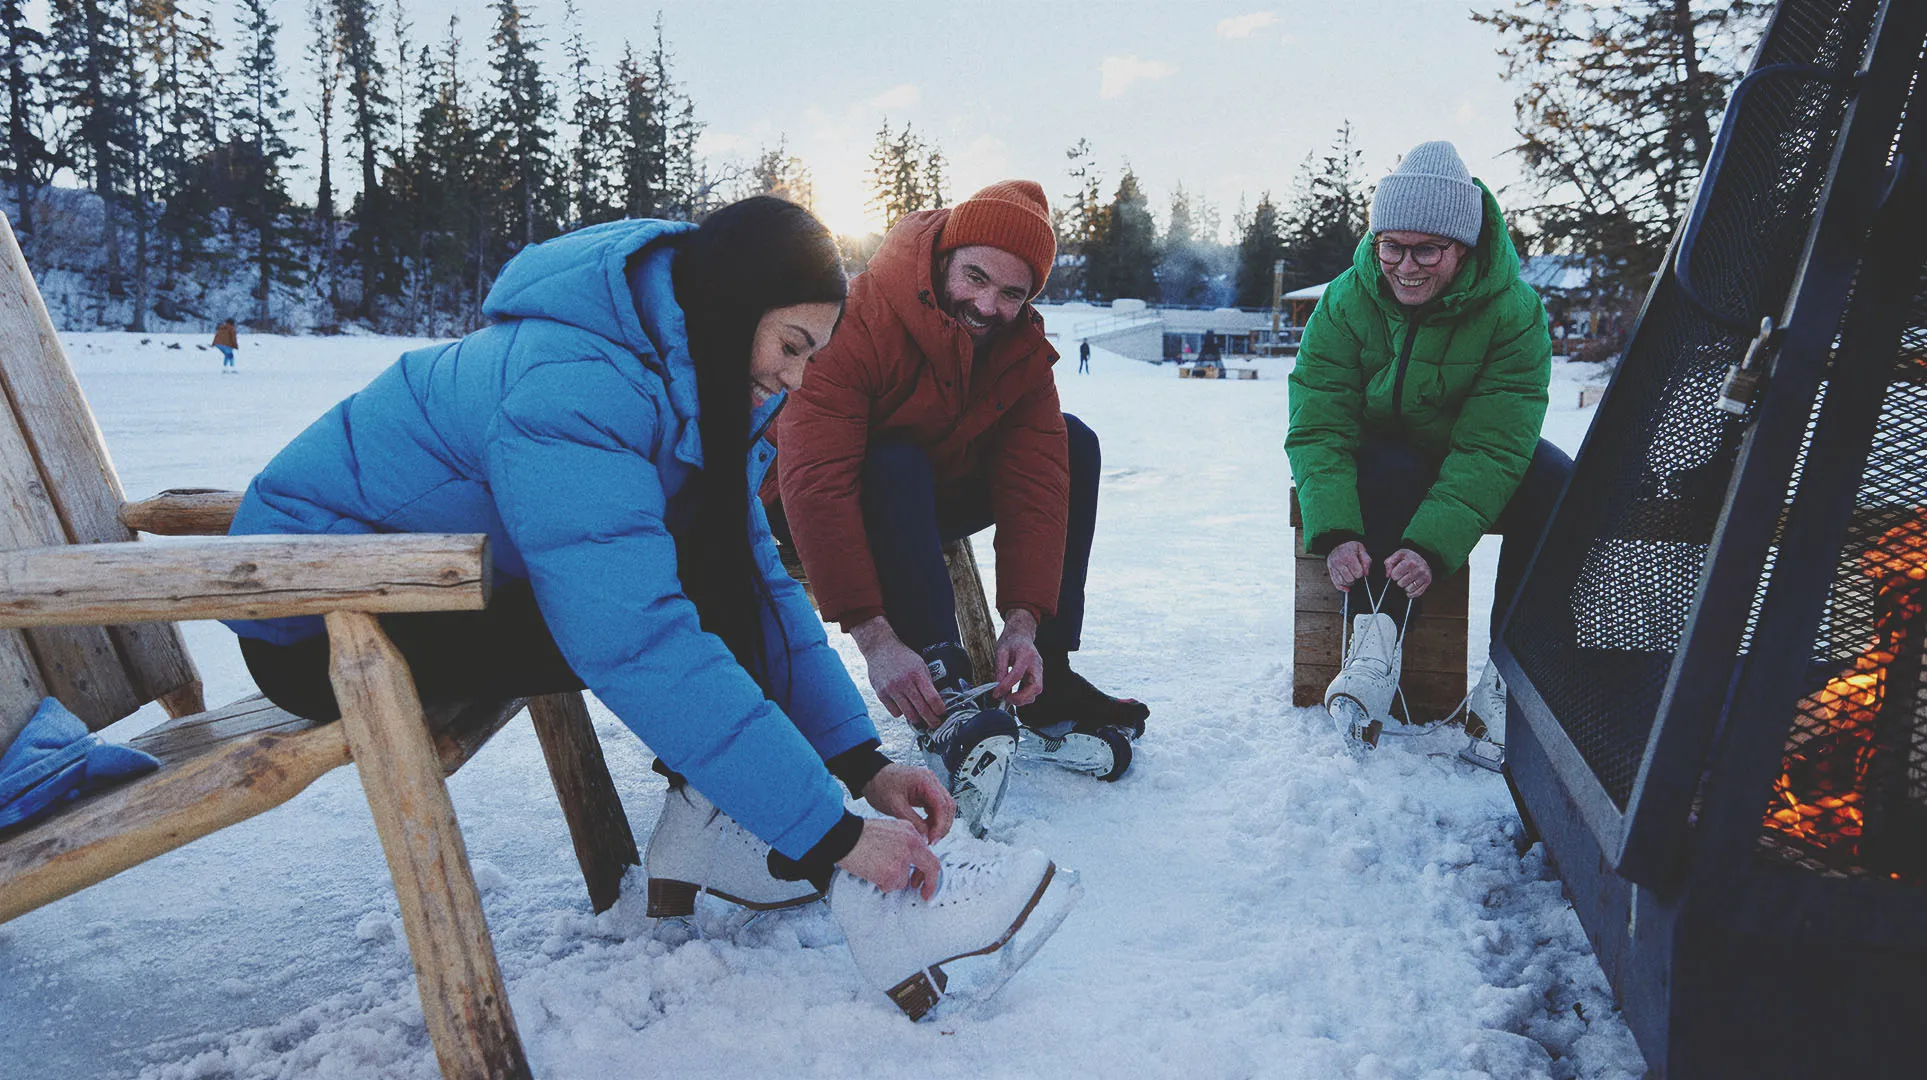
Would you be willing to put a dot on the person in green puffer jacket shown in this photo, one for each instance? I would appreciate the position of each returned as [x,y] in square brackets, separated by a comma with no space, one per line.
[1418,395]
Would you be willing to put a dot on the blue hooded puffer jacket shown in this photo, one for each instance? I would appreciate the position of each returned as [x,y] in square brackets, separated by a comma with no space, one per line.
[565,432]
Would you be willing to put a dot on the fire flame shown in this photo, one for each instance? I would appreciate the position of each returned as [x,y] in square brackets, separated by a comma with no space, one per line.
[1819,796]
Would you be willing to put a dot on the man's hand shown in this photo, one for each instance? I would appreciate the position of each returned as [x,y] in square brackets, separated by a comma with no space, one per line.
[901,791]
[1020,670]
[1409,571]
[897,675]
[1347,564]
[893,855]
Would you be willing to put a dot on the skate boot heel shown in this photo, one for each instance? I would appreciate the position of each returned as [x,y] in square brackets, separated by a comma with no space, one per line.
[671,899]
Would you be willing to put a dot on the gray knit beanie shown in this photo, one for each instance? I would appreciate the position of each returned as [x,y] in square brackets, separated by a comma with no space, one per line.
[1431,191]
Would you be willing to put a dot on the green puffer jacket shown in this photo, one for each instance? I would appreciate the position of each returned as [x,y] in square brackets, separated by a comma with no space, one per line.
[1463,379]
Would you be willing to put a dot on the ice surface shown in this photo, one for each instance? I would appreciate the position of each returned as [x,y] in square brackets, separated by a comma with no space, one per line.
[1258,901]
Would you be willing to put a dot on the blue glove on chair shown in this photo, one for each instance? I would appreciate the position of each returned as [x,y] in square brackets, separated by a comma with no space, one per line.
[55,759]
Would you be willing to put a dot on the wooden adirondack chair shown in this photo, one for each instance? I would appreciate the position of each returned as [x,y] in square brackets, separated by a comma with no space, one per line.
[86,615]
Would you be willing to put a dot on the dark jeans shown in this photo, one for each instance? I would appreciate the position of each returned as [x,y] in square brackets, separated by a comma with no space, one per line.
[503,651]
[907,526]
[1393,478]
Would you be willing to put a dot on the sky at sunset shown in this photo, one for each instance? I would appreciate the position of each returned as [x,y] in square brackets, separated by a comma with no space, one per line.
[1224,98]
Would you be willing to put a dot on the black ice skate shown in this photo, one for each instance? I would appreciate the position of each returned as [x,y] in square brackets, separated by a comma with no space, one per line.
[1076,726]
[973,747]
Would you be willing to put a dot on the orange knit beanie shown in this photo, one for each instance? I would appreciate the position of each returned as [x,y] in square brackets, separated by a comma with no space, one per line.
[1011,215]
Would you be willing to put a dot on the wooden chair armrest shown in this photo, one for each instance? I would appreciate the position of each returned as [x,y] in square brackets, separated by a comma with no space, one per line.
[182,512]
[242,577]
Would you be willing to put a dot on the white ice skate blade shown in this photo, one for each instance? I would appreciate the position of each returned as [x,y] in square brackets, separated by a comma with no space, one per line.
[1074,750]
[964,982]
[977,802]
[1484,753]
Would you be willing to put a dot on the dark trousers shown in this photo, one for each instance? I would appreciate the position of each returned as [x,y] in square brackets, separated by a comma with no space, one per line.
[503,651]
[1393,479]
[908,525]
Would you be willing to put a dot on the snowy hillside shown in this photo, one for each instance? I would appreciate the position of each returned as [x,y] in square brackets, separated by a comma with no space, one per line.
[1260,902]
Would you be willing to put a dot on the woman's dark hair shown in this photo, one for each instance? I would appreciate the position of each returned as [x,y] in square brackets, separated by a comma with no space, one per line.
[745,259]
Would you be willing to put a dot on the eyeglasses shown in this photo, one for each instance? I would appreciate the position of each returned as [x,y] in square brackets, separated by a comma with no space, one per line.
[1391,252]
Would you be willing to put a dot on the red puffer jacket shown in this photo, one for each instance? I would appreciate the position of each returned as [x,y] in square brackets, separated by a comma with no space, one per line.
[899,367]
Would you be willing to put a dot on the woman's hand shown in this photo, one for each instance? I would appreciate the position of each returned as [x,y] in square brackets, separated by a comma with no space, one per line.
[1347,563]
[901,791]
[892,855]
[1409,571]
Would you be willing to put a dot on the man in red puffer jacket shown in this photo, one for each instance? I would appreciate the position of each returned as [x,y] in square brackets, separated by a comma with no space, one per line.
[932,414]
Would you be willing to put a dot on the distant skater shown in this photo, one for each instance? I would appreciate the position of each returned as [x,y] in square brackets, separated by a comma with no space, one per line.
[226,340]
[1083,358]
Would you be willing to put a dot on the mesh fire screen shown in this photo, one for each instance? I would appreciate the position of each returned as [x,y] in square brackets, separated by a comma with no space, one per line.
[1600,617]
[1852,796]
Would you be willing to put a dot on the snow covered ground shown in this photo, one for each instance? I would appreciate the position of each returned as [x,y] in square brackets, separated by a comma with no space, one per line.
[1259,901]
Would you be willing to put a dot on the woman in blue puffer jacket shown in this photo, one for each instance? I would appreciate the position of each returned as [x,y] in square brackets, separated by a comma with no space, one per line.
[606,432]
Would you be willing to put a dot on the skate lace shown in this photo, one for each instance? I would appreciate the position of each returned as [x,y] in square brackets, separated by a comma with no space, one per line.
[965,876]
[1349,643]
[955,707]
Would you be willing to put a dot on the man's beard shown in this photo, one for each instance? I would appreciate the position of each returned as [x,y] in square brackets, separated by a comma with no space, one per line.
[963,314]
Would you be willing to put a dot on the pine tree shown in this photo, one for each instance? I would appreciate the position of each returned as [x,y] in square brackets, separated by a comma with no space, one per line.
[261,152]
[326,61]
[369,119]
[1121,261]
[657,130]
[185,166]
[523,125]
[1328,214]
[906,174]
[639,145]
[1259,249]
[688,189]
[782,174]
[449,178]
[21,50]
[91,62]
[1183,268]
[1079,220]
[1616,114]
[592,125]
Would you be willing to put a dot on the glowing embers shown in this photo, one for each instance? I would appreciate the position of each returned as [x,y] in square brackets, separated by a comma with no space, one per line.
[1845,752]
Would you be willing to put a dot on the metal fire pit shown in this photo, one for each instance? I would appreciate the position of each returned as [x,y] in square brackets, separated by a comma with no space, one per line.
[1718,714]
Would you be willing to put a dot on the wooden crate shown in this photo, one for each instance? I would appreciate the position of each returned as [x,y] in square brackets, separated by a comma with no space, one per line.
[1434,674]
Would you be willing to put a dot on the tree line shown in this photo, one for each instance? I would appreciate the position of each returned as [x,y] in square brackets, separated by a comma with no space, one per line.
[184,136]
[184,133]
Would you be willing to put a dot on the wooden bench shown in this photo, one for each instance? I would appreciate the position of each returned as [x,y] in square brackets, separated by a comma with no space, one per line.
[87,616]
[1434,672]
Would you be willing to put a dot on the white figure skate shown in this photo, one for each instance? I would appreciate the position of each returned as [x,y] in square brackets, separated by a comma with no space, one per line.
[1485,721]
[1360,698]
[697,848]
[995,907]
